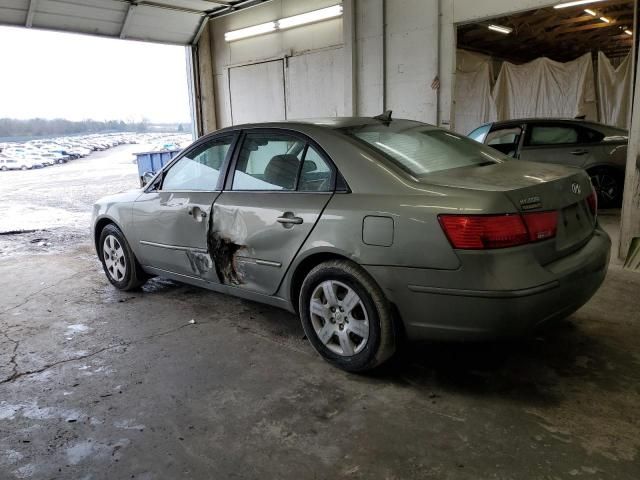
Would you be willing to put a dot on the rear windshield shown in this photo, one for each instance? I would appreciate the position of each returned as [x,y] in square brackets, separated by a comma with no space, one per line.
[423,149]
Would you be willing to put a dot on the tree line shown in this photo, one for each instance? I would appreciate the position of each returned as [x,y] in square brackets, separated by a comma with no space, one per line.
[11,127]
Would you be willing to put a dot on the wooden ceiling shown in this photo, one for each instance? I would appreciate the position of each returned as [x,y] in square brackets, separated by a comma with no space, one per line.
[560,34]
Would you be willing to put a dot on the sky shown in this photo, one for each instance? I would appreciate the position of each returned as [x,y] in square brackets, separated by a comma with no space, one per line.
[76,77]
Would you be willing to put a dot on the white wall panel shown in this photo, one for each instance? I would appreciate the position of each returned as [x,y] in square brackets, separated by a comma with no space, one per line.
[315,84]
[412,59]
[291,42]
[369,55]
[257,92]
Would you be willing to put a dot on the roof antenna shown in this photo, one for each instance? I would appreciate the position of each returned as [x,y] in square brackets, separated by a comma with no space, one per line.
[385,117]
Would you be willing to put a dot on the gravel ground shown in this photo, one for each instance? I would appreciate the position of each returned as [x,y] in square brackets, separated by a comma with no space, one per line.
[52,205]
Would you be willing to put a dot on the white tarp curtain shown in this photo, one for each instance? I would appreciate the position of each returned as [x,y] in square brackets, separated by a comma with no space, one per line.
[473,102]
[614,88]
[546,88]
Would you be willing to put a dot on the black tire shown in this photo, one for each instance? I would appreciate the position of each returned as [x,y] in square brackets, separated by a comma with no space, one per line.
[381,342]
[134,277]
[23,167]
[4,168]
[609,185]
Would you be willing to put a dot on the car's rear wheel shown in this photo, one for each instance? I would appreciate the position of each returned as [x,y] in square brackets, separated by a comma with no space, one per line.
[118,261]
[609,185]
[346,317]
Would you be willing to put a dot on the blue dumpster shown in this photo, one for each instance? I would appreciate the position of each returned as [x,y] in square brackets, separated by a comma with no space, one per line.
[153,161]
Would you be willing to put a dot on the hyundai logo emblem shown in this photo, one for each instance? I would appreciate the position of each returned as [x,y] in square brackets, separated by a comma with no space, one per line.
[576,188]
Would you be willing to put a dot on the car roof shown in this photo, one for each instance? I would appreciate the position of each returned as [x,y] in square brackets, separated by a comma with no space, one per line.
[573,121]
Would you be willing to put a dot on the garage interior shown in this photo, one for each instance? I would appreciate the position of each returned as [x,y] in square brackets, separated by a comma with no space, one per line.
[579,51]
[177,382]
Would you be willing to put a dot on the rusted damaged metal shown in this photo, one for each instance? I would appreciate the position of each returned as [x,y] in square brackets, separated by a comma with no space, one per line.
[227,232]
[223,254]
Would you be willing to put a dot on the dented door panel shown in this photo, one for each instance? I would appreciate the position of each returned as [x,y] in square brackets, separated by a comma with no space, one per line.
[171,232]
[256,235]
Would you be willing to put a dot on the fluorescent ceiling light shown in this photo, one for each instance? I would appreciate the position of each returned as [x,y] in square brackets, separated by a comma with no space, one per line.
[288,22]
[310,17]
[591,12]
[250,31]
[605,19]
[576,3]
[628,32]
[501,29]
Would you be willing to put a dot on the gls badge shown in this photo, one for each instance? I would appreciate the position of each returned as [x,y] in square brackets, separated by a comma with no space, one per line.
[530,203]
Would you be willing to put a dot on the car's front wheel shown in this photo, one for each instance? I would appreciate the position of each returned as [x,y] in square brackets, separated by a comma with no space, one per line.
[118,261]
[346,317]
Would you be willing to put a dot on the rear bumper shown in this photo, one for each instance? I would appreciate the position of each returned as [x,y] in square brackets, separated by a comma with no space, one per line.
[437,311]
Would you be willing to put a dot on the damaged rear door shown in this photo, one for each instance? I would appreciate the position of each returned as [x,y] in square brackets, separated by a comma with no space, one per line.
[276,190]
[172,217]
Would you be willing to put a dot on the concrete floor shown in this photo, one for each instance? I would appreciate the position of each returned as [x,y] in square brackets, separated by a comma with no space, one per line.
[96,383]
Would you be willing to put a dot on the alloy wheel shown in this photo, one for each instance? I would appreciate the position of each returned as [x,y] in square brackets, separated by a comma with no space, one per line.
[114,258]
[339,318]
[606,186]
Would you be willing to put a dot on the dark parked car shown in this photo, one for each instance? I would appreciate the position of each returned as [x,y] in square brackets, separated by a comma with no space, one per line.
[369,229]
[599,149]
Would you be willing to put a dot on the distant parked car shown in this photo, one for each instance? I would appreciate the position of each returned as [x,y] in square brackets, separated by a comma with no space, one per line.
[14,163]
[600,149]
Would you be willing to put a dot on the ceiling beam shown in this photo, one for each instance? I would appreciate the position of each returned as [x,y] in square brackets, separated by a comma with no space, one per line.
[584,27]
[201,27]
[30,13]
[127,21]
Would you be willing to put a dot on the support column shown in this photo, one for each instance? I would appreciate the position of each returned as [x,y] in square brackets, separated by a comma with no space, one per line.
[350,57]
[630,220]
[205,96]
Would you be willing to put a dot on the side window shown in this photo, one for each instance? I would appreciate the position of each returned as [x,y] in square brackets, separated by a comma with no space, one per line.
[199,169]
[553,135]
[479,134]
[505,140]
[268,161]
[316,173]
[590,136]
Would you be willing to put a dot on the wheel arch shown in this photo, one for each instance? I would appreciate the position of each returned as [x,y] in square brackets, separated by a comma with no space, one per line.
[604,165]
[99,226]
[304,266]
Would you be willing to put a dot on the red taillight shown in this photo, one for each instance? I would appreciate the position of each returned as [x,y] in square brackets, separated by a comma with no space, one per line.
[541,225]
[478,232]
[592,200]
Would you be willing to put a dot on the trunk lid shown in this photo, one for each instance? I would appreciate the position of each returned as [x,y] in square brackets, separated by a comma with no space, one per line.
[533,187]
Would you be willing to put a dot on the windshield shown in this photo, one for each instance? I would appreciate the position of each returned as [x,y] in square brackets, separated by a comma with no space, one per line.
[423,149]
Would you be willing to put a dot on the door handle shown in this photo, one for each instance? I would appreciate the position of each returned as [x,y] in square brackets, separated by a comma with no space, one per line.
[579,152]
[289,220]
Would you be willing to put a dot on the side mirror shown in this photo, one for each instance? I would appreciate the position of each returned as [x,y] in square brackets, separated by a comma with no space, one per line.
[147,177]
[638,162]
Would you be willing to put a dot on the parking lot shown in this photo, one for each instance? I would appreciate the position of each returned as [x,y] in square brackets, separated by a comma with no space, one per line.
[177,382]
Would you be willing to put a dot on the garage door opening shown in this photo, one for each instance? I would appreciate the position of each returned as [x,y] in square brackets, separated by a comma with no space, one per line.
[75,111]
[548,62]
